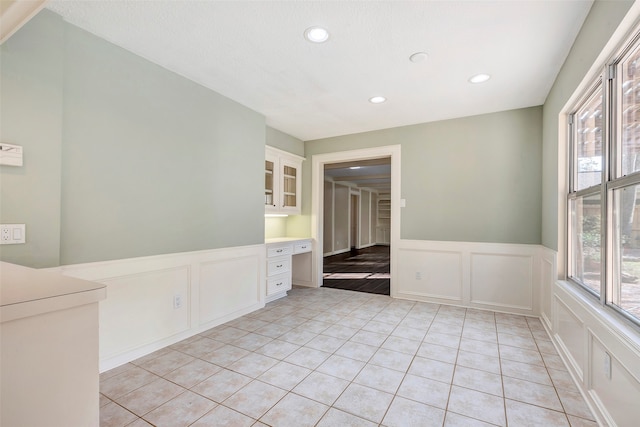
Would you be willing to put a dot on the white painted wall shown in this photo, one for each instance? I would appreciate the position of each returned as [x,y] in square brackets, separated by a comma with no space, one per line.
[522,279]
[327,217]
[365,219]
[374,217]
[341,231]
[138,316]
[584,333]
[494,276]
[220,285]
[337,210]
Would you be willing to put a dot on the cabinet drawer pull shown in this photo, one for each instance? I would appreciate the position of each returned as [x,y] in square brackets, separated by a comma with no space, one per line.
[279,250]
[279,284]
[279,266]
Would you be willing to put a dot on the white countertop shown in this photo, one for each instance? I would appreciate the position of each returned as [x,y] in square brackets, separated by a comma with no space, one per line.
[28,292]
[285,239]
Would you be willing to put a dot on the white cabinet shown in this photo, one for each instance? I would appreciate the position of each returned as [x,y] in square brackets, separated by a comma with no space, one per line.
[282,182]
[279,264]
[49,351]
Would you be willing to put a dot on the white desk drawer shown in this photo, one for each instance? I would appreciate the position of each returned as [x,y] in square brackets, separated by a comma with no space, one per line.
[278,284]
[302,247]
[279,251]
[278,265]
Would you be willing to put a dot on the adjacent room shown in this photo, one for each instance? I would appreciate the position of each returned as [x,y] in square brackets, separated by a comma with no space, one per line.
[319,213]
[356,226]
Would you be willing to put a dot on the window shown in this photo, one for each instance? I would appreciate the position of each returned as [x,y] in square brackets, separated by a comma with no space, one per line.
[604,187]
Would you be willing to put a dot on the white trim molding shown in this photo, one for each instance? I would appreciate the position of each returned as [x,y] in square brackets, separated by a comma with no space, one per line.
[600,349]
[491,276]
[317,201]
[156,301]
[15,13]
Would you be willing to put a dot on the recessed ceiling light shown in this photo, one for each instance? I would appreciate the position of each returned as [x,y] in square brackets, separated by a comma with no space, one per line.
[479,78]
[316,34]
[377,99]
[418,57]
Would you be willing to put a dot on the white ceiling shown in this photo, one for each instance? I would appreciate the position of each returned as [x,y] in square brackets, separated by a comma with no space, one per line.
[254,53]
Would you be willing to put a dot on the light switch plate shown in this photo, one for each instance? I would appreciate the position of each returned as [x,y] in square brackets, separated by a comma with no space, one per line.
[10,155]
[12,234]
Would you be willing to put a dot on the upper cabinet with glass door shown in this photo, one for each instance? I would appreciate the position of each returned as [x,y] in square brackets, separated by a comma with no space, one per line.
[282,182]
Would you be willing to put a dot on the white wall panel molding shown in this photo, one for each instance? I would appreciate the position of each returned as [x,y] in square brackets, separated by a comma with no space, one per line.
[503,280]
[603,335]
[570,336]
[600,349]
[617,403]
[430,274]
[140,314]
[228,286]
[548,275]
[494,276]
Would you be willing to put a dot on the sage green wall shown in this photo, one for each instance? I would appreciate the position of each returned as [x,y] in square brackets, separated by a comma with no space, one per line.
[604,17]
[284,142]
[475,179]
[150,162]
[31,76]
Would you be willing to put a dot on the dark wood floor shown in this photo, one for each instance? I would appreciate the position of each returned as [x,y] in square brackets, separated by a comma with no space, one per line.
[363,270]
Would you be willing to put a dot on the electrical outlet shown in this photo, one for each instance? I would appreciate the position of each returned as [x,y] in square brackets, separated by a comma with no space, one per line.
[177,301]
[12,234]
[418,275]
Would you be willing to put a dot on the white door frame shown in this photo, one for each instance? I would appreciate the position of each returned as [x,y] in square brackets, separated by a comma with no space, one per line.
[317,189]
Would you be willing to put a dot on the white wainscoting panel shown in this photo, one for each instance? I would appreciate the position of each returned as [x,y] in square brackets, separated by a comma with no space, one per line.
[430,274]
[548,277]
[617,395]
[570,336]
[502,280]
[138,304]
[228,286]
[138,315]
[585,333]
[493,276]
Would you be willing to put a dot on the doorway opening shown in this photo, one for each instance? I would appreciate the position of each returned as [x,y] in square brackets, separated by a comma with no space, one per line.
[319,197]
[356,220]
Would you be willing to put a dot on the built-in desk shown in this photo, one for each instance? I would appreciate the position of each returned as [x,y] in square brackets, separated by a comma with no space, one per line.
[288,261]
[49,371]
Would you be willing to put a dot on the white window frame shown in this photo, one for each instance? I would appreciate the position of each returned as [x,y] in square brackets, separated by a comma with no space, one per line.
[612,178]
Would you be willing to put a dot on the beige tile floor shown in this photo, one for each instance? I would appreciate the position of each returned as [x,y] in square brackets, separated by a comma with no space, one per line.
[328,357]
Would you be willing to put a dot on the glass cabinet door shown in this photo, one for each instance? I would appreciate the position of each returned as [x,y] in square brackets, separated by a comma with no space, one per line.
[282,182]
[269,169]
[289,186]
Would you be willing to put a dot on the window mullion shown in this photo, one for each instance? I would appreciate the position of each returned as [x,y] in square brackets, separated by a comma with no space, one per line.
[609,169]
[572,153]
